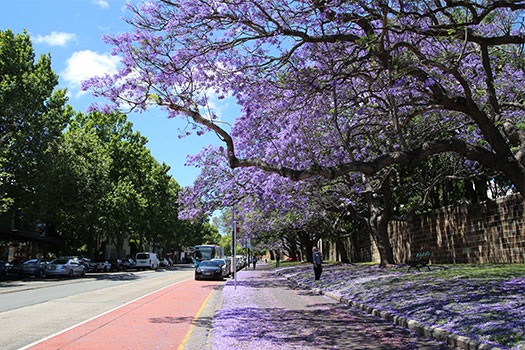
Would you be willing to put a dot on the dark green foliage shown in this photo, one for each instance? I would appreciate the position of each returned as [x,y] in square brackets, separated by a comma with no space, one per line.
[88,177]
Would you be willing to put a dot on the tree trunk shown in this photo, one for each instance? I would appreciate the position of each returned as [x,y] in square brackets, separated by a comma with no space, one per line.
[380,214]
[341,248]
[305,240]
[378,225]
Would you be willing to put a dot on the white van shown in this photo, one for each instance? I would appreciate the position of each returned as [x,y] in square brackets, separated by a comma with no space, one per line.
[146,260]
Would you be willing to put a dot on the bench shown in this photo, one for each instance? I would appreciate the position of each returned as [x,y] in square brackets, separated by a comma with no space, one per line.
[422,259]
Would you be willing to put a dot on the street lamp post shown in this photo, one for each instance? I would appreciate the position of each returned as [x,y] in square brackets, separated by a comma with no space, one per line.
[234,249]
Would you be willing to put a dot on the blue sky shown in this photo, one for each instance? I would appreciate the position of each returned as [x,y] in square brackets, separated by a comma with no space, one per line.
[71,31]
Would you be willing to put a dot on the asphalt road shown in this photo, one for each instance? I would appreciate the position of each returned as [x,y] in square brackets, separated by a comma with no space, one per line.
[36,309]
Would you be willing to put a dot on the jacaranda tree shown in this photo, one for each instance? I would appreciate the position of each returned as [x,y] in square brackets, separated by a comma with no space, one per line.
[331,87]
[340,70]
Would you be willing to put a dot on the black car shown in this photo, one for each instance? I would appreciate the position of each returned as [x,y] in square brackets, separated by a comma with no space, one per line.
[88,264]
[117,265]
[14,268]
[3,268]
[128,264]
[208,269]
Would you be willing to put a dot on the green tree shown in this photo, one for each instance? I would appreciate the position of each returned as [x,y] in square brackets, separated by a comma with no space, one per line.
[32,118]
[126,201]
[116,190]
[161,214]
[82,183]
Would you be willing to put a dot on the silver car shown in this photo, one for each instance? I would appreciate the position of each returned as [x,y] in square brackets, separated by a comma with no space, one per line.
[65,268]
[103,266]
[35,267]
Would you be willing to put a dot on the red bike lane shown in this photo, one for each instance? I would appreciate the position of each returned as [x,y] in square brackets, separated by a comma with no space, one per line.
[159,320]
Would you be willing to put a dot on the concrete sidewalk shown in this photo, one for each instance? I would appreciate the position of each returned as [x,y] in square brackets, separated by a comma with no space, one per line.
[263,310]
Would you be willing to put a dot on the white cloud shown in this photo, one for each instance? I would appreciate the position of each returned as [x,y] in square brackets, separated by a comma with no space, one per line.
[101,3]
[55,38]
[218,104]
[87,64]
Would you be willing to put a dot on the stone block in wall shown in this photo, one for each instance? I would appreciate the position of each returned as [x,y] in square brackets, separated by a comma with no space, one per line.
[457,233]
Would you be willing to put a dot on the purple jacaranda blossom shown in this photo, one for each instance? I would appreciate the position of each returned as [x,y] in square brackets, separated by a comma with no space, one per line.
[488,310]
[303,71]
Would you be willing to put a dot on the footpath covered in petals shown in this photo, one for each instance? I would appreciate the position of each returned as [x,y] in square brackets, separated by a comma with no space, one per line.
[470,306]
[264,310]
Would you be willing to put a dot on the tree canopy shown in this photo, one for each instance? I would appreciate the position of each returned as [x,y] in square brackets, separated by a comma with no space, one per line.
[32,118]
[351,92]
[88,179]
[332,87]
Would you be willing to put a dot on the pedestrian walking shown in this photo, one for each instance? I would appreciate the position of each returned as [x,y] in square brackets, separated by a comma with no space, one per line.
[317,260]
[254,261]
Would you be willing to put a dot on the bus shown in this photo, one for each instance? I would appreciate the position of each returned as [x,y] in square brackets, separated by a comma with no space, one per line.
[206,252]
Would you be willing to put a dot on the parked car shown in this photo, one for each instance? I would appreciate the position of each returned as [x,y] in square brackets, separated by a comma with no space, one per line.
[14,268]
[3,268]
[89,264]
[147,260]
[128,264]
[242,262]
[65,268]
[225,265]
[35,267]
[164,262]
[103,266]
[116,265]
[209,269]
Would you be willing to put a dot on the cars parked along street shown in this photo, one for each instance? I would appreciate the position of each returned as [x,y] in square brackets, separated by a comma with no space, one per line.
[34,267]
[147,260]
[14,268]
[164,262]
[225,265]
[103,266]
[88,264]
[62,267]
[2,268]
[128,264]
[116,264]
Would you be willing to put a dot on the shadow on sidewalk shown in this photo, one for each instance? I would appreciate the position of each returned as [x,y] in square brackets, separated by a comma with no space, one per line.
[278,319]
[331,328]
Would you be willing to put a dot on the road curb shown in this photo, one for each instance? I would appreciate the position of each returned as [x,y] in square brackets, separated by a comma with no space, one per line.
[452,339]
